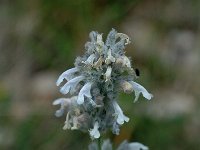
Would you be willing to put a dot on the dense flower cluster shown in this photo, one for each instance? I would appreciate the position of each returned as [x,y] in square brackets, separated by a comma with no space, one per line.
[94,84]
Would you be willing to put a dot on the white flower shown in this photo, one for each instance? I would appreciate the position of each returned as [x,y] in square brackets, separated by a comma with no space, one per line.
[92,36]
[90,60]
[93,146]
[123,37]
[137,146]
[111,38]
[85,91]
[75,123]
[108,73]
[140,89]
[64,103]
[71,85]
[106,145]
[93,103]
[131,146]
[109,58]
[66,75]
[98,64]
[126,62]
[99,39]
[126,86]
[94,133]
[99,43]
[120,116]
[67,122]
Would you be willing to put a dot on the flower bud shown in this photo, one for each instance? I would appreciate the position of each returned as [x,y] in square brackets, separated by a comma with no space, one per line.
[108,74]
[126,86]
[123,37]
[83,121]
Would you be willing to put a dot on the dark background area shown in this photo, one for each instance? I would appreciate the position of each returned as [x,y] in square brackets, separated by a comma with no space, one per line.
[39,39]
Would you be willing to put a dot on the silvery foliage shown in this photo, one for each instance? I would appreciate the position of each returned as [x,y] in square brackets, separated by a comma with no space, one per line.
[123,146]
[94,84]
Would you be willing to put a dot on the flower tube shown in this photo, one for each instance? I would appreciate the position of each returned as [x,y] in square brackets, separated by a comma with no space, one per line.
[140,89]
[120,116]
[94,133]
[66,75]
[71,85]
[85,91]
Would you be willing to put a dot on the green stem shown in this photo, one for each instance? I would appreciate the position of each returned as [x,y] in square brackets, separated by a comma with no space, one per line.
[99,143]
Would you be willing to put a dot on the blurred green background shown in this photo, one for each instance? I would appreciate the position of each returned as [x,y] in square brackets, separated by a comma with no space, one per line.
[39,39]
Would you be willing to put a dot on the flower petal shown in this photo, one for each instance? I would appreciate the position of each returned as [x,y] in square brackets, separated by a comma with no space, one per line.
[123,36]
[126,86]
[71,85]
[85,91]
[75,123]
[126,61]
[94,133]
[67,122]
[66,75]
[106,145]
[131,146]
[137,146]
[58,101]
[108,74]
[90,60]
[99,39]
[115,128]
[93,146]
[111,38]
[93,36]
[140,89]
[63,102]
[109,58]
[120,116]
[99,43]
[59,112]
